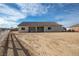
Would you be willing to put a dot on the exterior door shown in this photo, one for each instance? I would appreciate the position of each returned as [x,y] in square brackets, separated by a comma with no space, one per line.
[40,29]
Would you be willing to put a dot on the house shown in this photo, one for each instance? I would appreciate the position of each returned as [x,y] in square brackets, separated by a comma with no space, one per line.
[40,27]
[75,27]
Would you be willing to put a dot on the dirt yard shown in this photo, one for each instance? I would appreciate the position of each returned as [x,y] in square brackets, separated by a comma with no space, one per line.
[51,44]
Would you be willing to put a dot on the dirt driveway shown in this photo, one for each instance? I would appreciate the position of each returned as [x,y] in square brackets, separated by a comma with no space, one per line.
[55,43]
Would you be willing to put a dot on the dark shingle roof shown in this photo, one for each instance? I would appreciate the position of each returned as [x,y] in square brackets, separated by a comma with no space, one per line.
[39,24]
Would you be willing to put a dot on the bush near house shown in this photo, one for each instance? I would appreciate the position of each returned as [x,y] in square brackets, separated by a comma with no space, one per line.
[70,30]
[14,29]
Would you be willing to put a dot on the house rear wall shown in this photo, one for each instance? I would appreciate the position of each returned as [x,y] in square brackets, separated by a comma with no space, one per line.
[53,28]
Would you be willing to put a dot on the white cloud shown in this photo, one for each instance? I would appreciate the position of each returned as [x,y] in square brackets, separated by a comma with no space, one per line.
[6,24]
[13,15]
[2,21]
[33,9]
[69,19]
[10,11]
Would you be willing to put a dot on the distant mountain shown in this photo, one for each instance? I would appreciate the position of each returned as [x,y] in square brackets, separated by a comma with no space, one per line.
[77,25]
[4,28]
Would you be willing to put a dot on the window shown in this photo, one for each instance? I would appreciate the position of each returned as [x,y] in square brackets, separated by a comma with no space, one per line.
[49,28]
[22,28]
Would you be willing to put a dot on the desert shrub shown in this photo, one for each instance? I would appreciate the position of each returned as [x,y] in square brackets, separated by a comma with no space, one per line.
[73,31]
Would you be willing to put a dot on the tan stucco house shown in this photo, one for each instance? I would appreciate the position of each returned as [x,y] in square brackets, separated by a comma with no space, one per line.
[39,27]
[75,27]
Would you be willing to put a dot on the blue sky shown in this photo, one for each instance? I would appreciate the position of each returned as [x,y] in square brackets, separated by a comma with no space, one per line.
[11,14]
